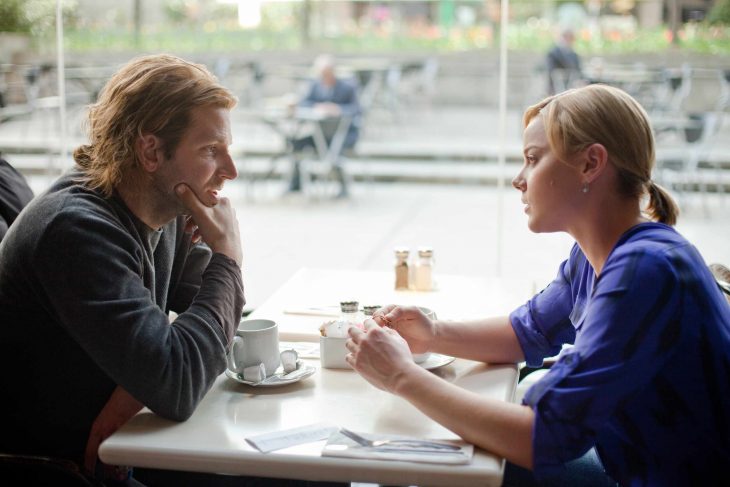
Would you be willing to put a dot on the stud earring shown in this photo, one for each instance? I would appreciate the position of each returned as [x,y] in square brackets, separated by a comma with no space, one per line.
[585,188]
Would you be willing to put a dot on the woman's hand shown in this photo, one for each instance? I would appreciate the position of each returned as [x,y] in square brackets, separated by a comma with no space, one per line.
[410,323]
[380,355]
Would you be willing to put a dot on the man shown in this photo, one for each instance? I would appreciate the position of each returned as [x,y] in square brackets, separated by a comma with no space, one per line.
[91,269]
[563,64]
[334,98]
[14,195]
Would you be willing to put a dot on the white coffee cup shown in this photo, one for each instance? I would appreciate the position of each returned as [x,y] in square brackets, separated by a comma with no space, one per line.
[256,342]
[419,358]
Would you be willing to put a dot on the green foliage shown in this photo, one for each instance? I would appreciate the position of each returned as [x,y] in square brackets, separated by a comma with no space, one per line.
[198,12]
[720,13]
[36,17]
[12,17]
[175,11]
[213,37]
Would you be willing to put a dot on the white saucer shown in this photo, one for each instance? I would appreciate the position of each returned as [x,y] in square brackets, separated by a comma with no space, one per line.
[436,360]
[276,380]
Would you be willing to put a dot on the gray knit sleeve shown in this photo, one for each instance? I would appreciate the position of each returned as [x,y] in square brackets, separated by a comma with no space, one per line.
[91,270]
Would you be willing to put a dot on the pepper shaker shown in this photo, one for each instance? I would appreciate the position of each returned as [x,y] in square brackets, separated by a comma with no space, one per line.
[401,268]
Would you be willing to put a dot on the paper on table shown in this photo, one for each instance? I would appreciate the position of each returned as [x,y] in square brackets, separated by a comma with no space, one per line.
[314,311]
[276,440]
[341,446]
[303,349]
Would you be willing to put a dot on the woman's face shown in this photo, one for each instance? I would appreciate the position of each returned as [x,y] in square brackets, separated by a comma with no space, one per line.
[551,188]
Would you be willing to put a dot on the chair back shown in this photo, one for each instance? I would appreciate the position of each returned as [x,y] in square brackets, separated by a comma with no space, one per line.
[24,470]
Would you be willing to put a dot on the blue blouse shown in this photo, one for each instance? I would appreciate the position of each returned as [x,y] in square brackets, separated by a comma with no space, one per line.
[647,381]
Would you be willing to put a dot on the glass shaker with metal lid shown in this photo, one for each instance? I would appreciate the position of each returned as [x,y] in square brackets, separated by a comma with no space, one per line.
[350,314]
[423,272]
[402,280]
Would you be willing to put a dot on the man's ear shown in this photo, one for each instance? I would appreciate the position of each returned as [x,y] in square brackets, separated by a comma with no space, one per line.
[595,162]
[149,152]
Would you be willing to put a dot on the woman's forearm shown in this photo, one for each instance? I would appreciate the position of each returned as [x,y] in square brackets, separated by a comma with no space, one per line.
[500,427]
[489,340]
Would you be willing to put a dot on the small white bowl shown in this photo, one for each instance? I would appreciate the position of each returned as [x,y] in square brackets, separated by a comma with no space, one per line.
[332,352]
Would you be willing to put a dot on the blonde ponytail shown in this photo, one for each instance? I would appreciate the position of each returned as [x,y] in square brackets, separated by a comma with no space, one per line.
[661,207]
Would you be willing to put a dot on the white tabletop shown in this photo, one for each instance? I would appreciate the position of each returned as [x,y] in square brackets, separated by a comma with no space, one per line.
[213,439]
[294,305]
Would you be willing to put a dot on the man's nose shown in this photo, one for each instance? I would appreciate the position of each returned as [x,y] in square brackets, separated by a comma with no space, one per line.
[228,168]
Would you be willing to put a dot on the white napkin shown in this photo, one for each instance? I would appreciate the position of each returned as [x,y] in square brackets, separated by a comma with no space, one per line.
[341,446]
[276,440]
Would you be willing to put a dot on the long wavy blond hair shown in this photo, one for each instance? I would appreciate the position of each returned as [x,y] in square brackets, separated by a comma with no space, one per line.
[602,114]
[149,95]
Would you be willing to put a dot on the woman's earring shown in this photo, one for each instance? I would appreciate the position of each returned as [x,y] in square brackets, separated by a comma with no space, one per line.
[585,188]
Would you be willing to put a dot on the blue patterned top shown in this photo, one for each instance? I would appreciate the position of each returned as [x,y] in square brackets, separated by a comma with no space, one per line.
[648,379]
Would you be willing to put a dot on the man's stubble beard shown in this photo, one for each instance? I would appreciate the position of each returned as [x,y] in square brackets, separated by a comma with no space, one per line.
[167,200]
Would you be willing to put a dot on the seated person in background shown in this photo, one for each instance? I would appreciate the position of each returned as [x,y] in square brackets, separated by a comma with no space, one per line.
[91,268]
[563,64]
[644,392]
[334,98]
[14,195]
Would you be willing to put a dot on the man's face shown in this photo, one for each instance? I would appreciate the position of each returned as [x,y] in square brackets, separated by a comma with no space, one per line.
[201,159]
[328,76]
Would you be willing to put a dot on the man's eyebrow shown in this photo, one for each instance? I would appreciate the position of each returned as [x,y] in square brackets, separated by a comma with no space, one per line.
[217,138]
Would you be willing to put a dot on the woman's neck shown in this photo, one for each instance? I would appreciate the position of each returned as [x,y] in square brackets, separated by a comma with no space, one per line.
[601,229]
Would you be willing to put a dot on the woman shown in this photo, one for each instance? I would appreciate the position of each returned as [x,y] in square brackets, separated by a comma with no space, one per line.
[647,380]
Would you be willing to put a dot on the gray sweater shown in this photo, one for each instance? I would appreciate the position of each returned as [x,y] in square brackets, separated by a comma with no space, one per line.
[85,291]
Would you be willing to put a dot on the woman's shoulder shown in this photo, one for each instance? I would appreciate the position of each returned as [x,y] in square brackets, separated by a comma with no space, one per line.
[655,250]
[651,239]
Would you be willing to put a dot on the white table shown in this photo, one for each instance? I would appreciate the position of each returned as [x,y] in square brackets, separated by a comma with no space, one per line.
[453,297]
[213,439]
[296,122]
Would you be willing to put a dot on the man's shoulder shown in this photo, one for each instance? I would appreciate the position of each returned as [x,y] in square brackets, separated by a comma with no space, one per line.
[70,201]
[69,211]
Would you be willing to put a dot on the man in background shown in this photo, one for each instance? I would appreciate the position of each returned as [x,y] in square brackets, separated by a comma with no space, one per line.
[563,64]
[335,99]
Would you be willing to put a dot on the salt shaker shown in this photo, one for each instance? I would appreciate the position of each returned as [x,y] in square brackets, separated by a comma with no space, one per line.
[350,314]
[423,272]
[401,268]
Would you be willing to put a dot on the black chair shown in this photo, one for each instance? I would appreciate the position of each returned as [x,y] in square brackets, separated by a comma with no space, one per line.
[722,277]
[39,471]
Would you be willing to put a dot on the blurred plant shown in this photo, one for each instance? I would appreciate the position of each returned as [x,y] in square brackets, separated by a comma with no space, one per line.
[12,17]
[199,12]
[176,11]
[720,13]
[42,15]
[36,17]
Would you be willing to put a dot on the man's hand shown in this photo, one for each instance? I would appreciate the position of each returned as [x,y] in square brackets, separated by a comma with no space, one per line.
[216,225]
[120,407]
